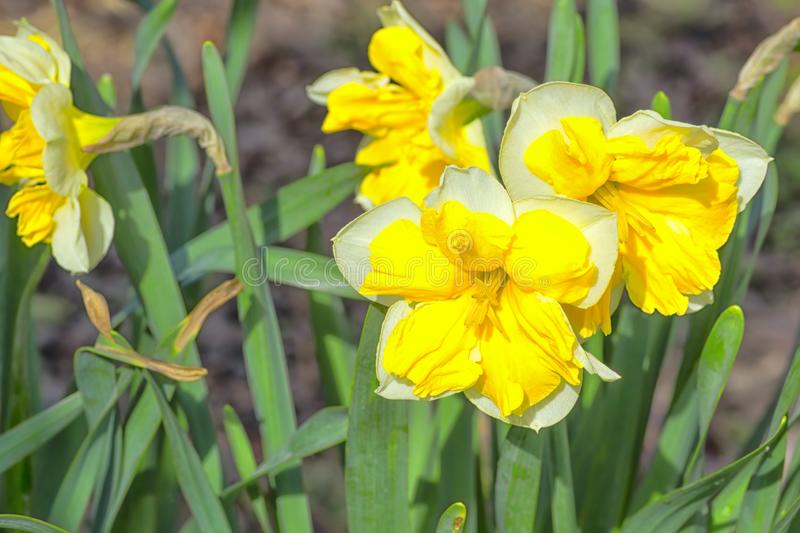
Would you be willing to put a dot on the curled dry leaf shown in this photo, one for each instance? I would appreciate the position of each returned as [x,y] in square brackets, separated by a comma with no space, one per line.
[96,308]
[210,303]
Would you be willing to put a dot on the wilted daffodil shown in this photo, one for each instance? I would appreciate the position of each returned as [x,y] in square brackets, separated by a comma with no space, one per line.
[475,286]
[412,111]
[676,189]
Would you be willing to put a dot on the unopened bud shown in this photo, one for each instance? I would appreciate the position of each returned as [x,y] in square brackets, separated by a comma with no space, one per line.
[96,309]
[168,121]
[766,58]
[790,105]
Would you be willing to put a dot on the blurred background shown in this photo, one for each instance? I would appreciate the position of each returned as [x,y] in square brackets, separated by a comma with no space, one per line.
[691,49]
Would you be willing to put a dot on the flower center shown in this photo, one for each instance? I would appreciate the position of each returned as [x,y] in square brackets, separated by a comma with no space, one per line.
[488,286]
[608,196]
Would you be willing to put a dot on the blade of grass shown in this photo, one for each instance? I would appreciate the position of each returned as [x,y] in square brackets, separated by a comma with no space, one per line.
[334,346]
[579,65]
[602,28]
[264,355]
[148,35]
[457,450]
[203,502]
[26,437]
[376,466]
[662,105]
[561,41]
[562,510]
[28,524]
[518,481]
[671,511]
[245,461]
[237,46]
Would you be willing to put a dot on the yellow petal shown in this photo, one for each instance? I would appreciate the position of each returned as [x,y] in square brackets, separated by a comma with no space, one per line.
[398,52]
[531,356]
[573,162]
[20,151]
[586,322]
[374,110]
[414,169]
[551,256]
[537,112]
[475,241]
[403,263]
[396,15]
[35,204]
[324,85]
[431,348]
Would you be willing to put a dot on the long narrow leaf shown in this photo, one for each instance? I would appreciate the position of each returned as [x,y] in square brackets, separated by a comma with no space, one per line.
[376,471]
[602,29]
[518,481]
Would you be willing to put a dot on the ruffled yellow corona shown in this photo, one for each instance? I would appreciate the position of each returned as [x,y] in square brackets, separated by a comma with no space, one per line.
[412,111]
[476,286]
[676,189]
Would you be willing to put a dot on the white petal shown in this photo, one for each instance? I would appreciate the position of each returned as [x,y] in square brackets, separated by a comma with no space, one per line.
[598,225]
[27,60]
[97,222]
[351,244]
[699,301]
[594,366]
[442,123]
[83,233]
[389,386]
[753,161]
[69,244]
[536,112]
[435,57]
[63,167]
[476,190]
[62,62]
[546,413]
[651,126]
[324,85]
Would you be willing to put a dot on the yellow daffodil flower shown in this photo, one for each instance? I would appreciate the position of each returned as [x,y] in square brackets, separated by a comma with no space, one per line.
[676,189]
[475,285]
[44,149]
[412,110]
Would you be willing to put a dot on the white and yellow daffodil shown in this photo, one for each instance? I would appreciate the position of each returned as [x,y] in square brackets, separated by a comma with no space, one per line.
[675,187]
[54,204]
[412,110]
[475,285]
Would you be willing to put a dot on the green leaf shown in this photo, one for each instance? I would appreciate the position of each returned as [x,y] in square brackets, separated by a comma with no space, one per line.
[107,90]
[203,503]
[28,524]
[713,370]
[788,519]
[325,429]
[580,50]
[88,464]
[636,348]
[245,461]
[452,519]
[237,47]
[376,467]
[562,491]
[264,356]
[768,103]
[685,428]
[561,40]
[671,511]
[148,35]
[26,437]
[518,480]
[334,346]
[661,105]
[760,506]
[458,45]
[602,28]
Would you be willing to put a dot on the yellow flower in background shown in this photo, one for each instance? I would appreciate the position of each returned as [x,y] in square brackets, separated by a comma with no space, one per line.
[476,286]
[54,204]
[42,152]
[676,189]
[412,111]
